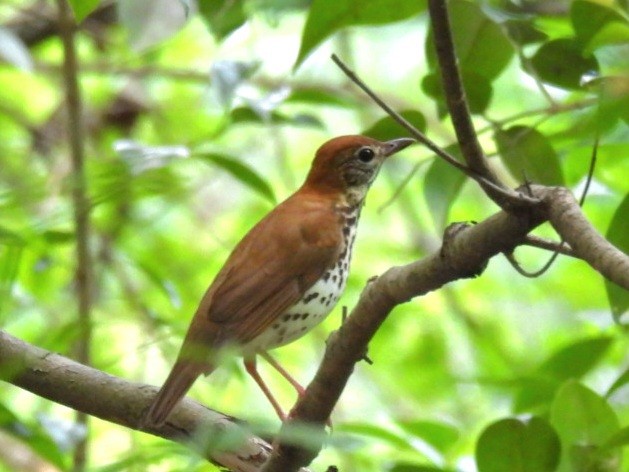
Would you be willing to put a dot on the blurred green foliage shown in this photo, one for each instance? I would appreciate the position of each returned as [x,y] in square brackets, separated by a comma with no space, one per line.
[199,119]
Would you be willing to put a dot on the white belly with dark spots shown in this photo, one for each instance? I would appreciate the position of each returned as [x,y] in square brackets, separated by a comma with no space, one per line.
[316,303]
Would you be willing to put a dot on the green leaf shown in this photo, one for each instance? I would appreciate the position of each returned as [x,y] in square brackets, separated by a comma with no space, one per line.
[535,393]
[442,184]
[407,467]
[326,18]
[589,18]
[585,422]
[442,436]
[52,236]
[249,115]
[513,445]
[621,381]
[82,8]
[561,62]
[387,128]
[9,237]
[618,235]
[527,153]
[478,90]
[613,59]
[480,43]
[319,97]
[524,32]
[612,34]
[245,174]
[378,432]
[222,16]
[576,359]
[620,438]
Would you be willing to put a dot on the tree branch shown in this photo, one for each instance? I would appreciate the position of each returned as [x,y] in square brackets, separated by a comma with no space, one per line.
[457,105]
[80,202]
[455,93]
[566,216]
[464,253]
[508,197]
[110,398]
[554,246]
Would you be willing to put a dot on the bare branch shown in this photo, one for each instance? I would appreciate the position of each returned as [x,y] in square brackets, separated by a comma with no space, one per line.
[531,275]
[555,246]
[80,202]
[462,255]
[465,252]
[566,216]
[455,94]
[110,398]
[508,197]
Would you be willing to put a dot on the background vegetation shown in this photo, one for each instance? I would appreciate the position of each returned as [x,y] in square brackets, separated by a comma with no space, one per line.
[199,118]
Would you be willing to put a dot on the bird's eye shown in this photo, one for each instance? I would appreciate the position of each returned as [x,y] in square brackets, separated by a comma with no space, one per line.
[365,154]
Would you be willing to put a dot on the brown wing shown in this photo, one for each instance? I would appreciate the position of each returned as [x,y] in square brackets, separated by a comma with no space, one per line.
[271,268]
[280,258]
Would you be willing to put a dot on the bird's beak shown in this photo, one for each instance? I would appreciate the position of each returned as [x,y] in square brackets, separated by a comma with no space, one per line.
[395,145]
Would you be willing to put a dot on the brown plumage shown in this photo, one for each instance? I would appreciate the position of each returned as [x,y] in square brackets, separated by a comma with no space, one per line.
[286,274]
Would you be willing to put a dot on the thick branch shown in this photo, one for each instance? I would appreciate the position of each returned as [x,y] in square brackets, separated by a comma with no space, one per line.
[566,216]
[465,252]
[91,391]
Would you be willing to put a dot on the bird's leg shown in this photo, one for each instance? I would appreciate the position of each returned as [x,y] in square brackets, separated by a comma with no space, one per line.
[252,370]
[300,390]
[267,357]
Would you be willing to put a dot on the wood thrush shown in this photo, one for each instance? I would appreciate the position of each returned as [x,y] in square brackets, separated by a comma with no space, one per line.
[285,275]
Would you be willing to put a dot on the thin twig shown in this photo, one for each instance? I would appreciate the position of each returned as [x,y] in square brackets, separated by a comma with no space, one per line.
[83,274]
[547,110]
[402,186]
[513,198]
[590,174]
[528,66]
[555,246]
[531,275]
[559,247]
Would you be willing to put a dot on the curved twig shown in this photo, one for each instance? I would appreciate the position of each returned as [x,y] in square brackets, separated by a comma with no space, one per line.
[508,197]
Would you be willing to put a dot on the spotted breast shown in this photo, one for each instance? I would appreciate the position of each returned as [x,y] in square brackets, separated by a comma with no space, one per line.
[318,301]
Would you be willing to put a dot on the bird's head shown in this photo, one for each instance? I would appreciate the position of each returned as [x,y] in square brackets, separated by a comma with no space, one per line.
[349,164]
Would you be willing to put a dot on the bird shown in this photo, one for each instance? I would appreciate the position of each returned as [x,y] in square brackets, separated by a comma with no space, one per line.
[285,275]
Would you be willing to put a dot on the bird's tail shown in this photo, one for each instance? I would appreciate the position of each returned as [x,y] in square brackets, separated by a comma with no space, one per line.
[179,381]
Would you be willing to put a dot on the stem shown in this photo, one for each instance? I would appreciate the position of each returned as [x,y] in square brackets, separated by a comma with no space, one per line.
[82,274]
[455,93]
